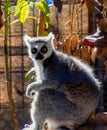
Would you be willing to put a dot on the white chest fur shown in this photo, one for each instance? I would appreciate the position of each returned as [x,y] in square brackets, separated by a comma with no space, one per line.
[39,71]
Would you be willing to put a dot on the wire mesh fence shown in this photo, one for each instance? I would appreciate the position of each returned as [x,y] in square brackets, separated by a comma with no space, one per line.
[68,27]
[19,62]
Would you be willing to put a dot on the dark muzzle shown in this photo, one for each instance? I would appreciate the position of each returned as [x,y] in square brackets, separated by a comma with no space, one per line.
[39,56]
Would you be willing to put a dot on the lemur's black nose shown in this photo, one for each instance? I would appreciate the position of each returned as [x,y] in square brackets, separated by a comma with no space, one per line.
[39,56]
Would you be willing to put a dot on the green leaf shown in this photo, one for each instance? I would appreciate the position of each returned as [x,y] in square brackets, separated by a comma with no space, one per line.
[7,7]
[40,6]
[42,0]
[24,12]
[22,8]
[18,7]
[43,6]
[29,77]
[47,21]
[46,8]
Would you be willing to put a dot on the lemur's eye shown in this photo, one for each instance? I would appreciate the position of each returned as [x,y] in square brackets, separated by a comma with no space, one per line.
[44,49]
[33,50]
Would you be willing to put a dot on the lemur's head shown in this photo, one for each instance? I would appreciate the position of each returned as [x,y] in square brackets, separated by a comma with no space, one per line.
[39,48]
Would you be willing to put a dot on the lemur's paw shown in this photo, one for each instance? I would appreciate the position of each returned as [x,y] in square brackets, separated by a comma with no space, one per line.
[30,92]
[29,127]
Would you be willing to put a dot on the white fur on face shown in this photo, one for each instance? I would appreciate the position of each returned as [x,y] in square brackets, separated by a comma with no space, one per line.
[47,41]
[30,42]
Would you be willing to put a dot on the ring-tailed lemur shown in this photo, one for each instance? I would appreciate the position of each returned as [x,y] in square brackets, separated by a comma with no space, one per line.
[62,74]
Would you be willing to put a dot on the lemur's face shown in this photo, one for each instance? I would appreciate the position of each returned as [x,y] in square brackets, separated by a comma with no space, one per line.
[39,48]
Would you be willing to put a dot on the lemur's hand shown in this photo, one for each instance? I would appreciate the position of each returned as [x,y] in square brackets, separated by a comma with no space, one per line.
[32,89]
[37,86]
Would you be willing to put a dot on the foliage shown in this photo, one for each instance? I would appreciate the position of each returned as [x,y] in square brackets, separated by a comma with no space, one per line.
[7,11]
[23,9]
[6,7]
[42,5]
[29,77]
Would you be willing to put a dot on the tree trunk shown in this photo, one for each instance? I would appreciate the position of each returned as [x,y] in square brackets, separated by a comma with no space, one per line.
[41,25]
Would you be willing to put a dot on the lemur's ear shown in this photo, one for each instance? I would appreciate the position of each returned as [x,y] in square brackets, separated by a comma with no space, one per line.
[27,39]
[50,36]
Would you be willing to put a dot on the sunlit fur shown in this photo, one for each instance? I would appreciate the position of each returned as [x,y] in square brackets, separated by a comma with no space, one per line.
[38,64]
[68,91]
